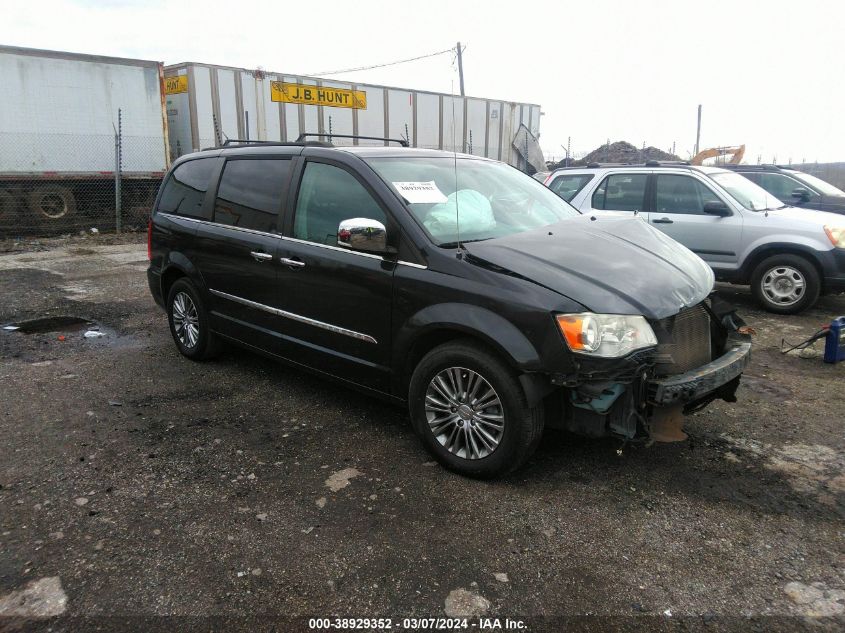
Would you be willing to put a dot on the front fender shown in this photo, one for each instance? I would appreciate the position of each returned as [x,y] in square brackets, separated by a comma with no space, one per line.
[475,322]
[812,248]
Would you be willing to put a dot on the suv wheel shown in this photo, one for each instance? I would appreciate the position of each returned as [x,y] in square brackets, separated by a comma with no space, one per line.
[469,409]
[189,322]
[786,284]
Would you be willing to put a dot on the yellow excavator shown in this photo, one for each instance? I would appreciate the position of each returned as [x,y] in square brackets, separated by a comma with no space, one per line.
[736,152]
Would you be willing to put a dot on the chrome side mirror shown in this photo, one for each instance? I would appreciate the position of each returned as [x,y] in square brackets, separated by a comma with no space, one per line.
[362,234]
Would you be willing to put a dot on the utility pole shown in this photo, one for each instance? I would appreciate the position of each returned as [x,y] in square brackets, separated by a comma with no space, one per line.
[461,68]
[698,130]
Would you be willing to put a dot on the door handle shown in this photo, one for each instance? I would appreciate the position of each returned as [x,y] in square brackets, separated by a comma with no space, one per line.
[261,257]
[294,263]
[663,221]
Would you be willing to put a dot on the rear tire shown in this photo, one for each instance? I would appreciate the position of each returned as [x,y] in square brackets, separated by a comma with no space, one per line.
[52,203]
[189,323]
[452,401]
[786,284]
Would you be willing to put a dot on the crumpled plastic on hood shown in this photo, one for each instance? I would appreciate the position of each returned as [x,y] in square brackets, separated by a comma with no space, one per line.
[476,214]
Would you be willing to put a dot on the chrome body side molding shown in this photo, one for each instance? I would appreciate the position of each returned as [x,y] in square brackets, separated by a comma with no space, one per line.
[296,317]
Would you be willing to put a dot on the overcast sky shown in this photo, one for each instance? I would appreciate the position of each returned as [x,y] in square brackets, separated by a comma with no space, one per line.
[769,74]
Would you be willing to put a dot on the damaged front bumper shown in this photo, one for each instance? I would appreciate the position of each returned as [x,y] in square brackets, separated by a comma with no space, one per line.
[700,382]
[636,398]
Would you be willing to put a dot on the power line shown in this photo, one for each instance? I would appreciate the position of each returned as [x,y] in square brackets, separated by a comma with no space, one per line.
[401,61]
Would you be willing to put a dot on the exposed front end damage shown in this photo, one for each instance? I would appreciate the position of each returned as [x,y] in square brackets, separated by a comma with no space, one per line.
[701,354]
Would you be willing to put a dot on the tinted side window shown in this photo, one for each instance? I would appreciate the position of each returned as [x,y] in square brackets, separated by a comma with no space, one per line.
[568,185]
[621,192]
[185,190]
[681,194]
[781,186]
[327,196]
[250,193]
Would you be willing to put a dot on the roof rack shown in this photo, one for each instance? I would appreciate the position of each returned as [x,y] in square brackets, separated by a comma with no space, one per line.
[240,141]
[401,141]
[650,163]
[763,167]
[666,163]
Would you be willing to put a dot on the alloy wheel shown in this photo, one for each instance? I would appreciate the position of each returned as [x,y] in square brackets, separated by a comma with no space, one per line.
[783,285]
[185,320]
[464,413]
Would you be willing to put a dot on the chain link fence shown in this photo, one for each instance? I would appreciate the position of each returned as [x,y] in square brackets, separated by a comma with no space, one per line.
[56,184]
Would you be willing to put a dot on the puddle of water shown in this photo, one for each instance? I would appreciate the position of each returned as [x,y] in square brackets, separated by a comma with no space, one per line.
[53,324]
[68,328]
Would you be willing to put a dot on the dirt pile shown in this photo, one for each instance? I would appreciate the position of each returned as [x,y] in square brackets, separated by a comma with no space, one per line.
[619,152]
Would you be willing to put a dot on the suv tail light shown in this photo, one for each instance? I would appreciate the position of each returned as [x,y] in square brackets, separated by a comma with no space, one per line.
[150,239]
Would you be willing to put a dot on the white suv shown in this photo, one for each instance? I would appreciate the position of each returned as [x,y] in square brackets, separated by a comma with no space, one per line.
[788,255]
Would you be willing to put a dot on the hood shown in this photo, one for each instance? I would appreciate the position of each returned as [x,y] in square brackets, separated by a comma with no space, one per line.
[609,265]
[808,216]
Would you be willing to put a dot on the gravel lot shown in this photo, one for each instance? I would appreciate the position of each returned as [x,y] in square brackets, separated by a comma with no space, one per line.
[135,484]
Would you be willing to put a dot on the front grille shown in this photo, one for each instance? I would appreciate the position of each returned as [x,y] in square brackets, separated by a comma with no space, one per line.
[683,341]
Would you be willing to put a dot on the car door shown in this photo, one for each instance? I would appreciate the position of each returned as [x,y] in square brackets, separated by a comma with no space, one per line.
[620,194]
[236,252]
[337,301]
[677,209]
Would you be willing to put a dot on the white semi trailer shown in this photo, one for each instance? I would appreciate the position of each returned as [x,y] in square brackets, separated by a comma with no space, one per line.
[59,116]
[206,104]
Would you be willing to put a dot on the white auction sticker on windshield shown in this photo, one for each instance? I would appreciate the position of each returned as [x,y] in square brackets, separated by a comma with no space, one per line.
[420,192]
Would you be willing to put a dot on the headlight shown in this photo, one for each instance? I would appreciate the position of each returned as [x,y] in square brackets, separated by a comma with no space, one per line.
[836,235]
[605,335]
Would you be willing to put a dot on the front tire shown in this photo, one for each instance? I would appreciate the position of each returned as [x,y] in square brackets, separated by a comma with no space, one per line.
[189,323]
[786,284]
[470,411]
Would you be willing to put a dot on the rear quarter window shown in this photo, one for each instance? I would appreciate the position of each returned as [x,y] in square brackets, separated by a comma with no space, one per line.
[185,189]
[567,186]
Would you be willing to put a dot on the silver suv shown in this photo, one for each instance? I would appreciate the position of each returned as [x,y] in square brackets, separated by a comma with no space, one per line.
[789,256]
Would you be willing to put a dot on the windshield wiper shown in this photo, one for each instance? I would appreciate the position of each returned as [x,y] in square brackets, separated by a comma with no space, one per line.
[455,244]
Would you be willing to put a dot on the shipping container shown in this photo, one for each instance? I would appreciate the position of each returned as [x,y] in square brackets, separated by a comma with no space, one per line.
[60,115]
[207,104]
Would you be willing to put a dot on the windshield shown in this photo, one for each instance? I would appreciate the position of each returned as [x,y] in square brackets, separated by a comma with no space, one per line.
[749,195]
[819,185]
[479,199]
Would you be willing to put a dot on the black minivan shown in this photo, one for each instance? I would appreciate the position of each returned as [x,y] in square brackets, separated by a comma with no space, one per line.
[454,284]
